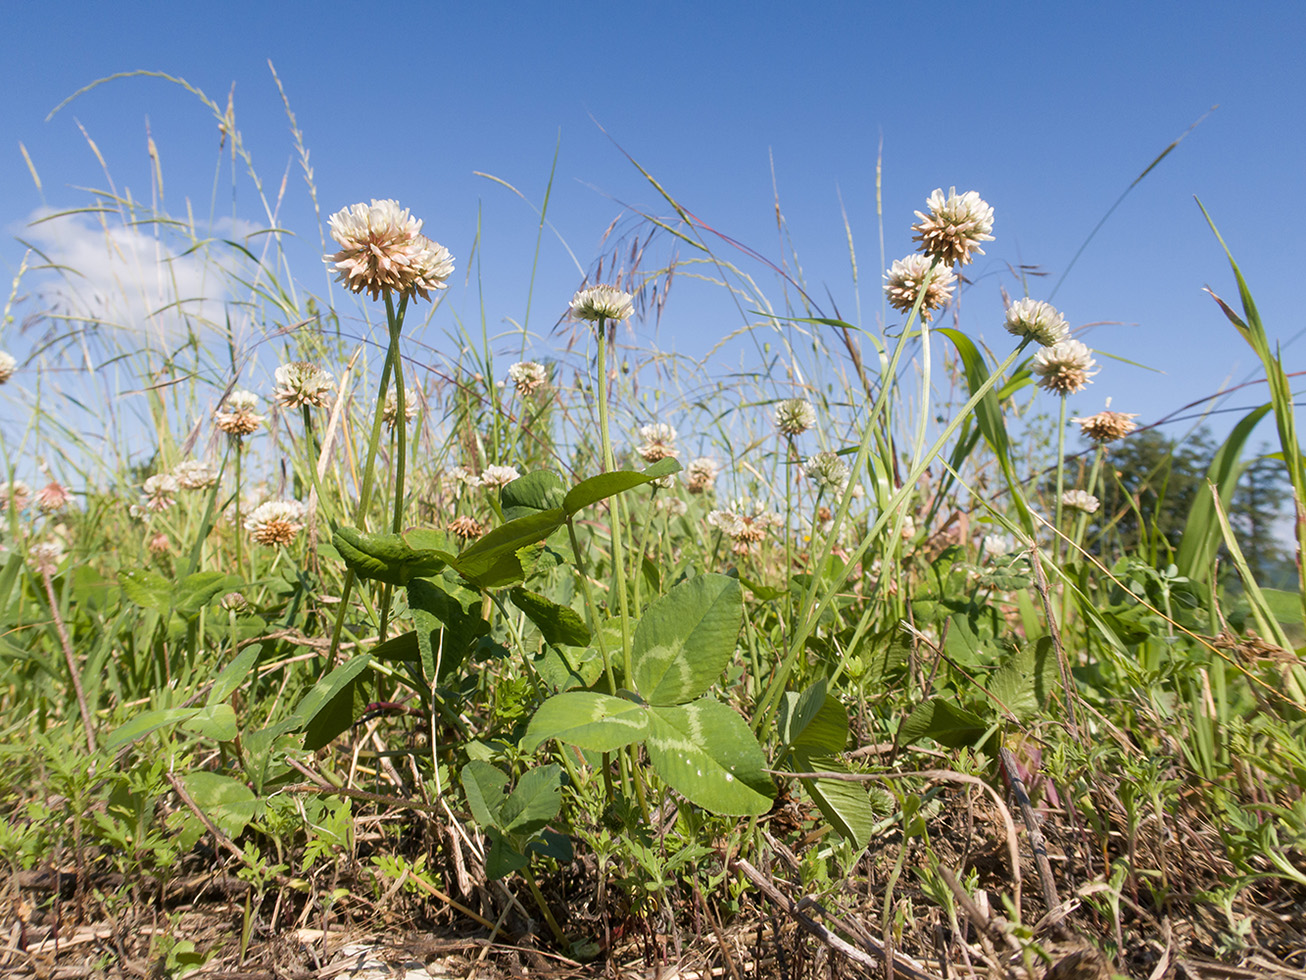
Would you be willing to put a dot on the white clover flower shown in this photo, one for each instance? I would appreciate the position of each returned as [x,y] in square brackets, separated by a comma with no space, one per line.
[954,227]
[794,416]
[194,474]
[998,545]
[745,523]
[1036,321]
[45,556]
[300,383]
[457,477]
[828,472]
[659,439]
[1064,368]
[391,408]
[16,495]
[527,376]
[602,303]
[383,250]
[498,476]
[237,417]
[276,522]
[903,281]
[8,365]
[701,474]
[1108,426]
[1080,500]
[160,491]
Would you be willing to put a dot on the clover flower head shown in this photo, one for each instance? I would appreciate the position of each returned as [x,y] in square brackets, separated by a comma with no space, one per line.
[194,474]
[391,408]
[16,495]
[903,282]
[1107,426]
[8,365]
[276,522]
[237,416]
[659,442]
[602,302]
[998,545]
[45,556]
[234,602]
[1037,321]
[955,226]
[746,523]
[382,250]
[701,474]
[1064,368]
[160,491]
[528,376]
[498,476]
[828,472]
[794,416]
[1080,500]
[52,497]
[466,527]
[301,383]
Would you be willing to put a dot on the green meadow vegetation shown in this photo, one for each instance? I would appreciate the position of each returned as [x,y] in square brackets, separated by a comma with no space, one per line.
[339,617]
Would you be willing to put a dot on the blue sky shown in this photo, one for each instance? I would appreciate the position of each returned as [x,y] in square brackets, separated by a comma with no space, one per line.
[1049,111]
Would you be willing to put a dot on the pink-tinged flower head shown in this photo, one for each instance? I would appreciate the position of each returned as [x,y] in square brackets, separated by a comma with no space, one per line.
[954,227]
[45,556]
[52,497]
[16,495]
[746,524]
[160,491]
[382,249]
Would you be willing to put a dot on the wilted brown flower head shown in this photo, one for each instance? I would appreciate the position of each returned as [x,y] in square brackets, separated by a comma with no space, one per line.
[382,250]
[236,417]
[602,303]
[300,383]
[903,281]
[954,227]
[1064,368]
[659,442]
[276,522]
[465,528]
[1108,426]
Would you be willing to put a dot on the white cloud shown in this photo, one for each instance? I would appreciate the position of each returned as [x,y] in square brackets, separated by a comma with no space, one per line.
[135,283]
